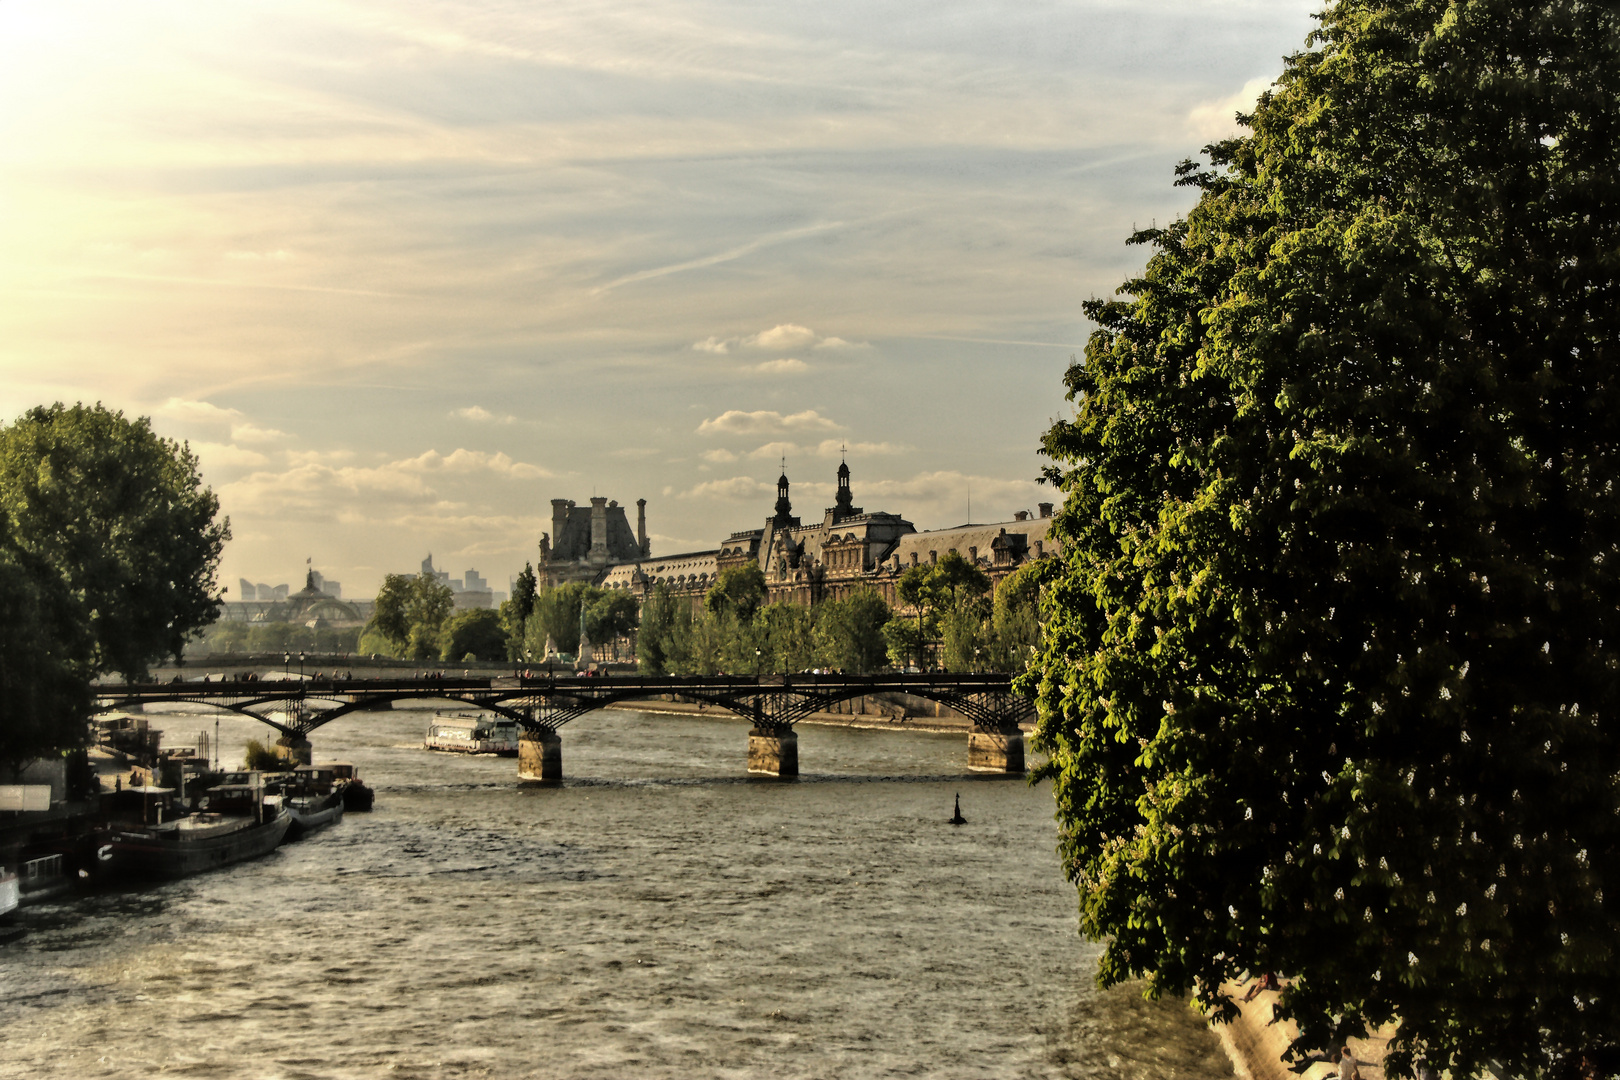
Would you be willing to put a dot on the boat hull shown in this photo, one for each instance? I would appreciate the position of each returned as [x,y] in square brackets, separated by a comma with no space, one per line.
[149,856]
[318,815]
[357,797]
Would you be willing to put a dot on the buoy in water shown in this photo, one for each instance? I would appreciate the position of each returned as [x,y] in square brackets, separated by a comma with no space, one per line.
[957,818]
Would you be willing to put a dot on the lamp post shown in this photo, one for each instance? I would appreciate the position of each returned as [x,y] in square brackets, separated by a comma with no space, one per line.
[300,663]
[757,663]
[975,659]
[286,664]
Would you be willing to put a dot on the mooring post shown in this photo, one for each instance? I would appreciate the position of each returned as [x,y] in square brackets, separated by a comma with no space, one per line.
[539,754]
[996,750]
[773,751]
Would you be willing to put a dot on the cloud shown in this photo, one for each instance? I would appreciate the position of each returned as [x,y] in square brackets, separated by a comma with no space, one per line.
[719,457]
[775,450]
[471,461]
[480,415]
[785,366]
[224,454]
[765,422]
[833,447]
[782,336]
[1217,119]
[204,411]
[634,452]
[736,489]
[250,432]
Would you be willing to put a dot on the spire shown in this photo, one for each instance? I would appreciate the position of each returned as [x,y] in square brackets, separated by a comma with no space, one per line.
[845,506]
[784,508]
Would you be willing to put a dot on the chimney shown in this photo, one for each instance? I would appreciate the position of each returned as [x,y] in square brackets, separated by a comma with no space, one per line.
[599,529]
[559,522]
[1045,509]
[641,528]
[1022,515]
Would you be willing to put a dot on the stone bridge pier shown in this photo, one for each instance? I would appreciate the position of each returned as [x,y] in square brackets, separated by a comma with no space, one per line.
[773,751]
[996,750]
[540,755]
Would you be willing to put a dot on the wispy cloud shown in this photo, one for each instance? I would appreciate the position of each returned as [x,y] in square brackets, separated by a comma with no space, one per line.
[480,415]
[765,421]
[785,366]
[1218,119]
[734,489]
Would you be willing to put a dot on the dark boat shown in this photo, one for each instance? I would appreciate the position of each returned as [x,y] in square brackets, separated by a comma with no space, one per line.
[314,799]
[356,796]
[193,844]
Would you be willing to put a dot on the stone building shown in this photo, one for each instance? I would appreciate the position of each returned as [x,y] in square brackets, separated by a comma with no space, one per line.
[846,549]
[584,544]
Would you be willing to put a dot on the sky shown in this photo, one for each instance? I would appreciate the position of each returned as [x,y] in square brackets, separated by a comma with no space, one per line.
[402,272]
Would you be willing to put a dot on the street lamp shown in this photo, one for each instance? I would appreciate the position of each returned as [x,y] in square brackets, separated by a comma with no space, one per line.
[300,663]
[975,659]
[757,662]
[286,664]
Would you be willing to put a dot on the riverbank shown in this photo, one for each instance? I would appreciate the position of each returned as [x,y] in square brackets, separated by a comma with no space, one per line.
[1256,1044]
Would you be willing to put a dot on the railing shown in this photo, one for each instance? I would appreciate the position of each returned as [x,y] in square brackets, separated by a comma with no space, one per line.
[34,870]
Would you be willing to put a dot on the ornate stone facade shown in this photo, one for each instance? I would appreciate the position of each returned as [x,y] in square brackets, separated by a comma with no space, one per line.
[584,543]
[846,549]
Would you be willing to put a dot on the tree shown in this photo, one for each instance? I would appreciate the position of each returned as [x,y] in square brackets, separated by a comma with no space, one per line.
[739,590]
[122,516]
[1015,618]
[515,611]
[390,617]
[556,616]
[786,637]
[45,658]
[611,614]
[653,645]
[849,632]
[477,633]
[427,605]
[1324,679]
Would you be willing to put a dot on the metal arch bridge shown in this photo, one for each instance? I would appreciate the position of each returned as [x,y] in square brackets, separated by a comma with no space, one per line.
[774,703]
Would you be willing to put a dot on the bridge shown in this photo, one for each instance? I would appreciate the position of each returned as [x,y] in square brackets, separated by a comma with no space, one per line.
[542,705]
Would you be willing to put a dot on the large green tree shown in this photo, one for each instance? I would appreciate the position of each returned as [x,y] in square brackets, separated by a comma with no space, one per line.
[409,614]
[1328,677]
[849,632]
[45,658]
[122,515]
[477,633]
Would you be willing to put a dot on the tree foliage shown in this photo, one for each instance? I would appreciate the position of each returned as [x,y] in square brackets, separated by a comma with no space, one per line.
[849,632]
[1324,682]
[477,633]
[122,516]
[45,658]
[515,611]
[738,590]
[409,614]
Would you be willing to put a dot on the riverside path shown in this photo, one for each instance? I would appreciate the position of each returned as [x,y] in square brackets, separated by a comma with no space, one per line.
[541,705]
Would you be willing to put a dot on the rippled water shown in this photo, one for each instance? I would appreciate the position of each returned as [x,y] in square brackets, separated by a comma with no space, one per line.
[659,914]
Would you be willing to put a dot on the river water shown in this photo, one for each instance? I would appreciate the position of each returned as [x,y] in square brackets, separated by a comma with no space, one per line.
[659,914]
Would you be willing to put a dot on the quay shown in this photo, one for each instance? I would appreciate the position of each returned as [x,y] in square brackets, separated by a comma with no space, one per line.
[541,705]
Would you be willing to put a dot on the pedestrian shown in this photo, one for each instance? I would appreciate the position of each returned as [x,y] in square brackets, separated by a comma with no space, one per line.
[1347,1065]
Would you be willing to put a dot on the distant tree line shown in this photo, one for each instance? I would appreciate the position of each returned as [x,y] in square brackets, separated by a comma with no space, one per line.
[955,624]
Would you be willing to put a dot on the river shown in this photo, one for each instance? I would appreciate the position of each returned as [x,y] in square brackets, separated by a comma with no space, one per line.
[659,914]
